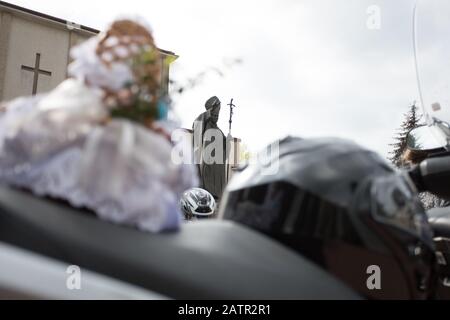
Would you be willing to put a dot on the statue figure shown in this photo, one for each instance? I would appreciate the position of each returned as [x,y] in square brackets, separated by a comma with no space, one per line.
[211,149]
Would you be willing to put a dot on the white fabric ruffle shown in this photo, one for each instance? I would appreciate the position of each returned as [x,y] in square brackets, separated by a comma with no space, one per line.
[87,66]
[121,170]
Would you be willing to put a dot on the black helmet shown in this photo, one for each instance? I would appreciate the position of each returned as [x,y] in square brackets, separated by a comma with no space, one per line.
[197,203]
[345,208]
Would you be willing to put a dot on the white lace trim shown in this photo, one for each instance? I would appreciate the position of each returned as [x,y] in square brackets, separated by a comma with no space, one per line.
[121,171]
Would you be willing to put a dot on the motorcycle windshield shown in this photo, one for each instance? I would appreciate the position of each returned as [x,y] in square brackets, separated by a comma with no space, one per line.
[432,55]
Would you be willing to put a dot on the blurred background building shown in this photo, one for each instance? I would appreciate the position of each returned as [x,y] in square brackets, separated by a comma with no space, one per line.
[35,47]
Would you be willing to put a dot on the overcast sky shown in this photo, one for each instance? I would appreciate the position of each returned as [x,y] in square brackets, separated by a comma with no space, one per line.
[309,68]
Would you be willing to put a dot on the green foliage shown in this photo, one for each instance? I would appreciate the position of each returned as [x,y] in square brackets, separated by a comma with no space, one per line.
[139,104]
[411,121]
[139,112]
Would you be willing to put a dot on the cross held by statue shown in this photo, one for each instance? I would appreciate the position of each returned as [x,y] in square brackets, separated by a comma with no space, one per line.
[232,106]
[36,71]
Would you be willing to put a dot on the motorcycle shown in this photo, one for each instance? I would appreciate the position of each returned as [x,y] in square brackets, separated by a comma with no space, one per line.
[204,260]
[49,249]
[431,140]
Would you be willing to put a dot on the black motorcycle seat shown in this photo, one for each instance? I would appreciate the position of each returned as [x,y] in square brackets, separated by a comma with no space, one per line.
[204,260]
[439,219]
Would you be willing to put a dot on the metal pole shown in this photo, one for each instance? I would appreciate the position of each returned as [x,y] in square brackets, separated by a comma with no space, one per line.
[232,106]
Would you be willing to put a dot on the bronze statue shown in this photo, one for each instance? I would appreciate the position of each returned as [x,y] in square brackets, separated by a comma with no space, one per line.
[211,149]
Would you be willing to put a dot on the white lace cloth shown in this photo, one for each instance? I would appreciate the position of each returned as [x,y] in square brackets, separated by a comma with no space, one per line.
[54,146]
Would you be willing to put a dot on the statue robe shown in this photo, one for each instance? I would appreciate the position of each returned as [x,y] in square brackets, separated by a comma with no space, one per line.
[212,175]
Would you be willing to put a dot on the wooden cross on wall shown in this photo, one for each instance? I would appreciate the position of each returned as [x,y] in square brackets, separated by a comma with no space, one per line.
[36,72]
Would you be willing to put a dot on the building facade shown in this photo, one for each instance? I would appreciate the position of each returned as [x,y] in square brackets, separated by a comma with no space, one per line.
[35,51]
